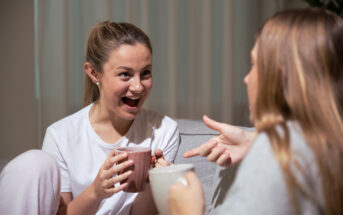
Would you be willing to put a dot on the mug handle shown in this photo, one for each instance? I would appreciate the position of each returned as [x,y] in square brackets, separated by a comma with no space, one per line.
[182,180]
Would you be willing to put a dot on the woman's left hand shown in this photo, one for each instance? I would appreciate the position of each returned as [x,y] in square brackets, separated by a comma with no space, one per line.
[187,200]
[158,159]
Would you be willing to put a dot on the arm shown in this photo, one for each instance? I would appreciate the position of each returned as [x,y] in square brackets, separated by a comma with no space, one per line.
[229,147]
[144,203]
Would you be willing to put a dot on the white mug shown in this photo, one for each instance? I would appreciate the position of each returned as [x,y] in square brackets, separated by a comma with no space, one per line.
[162,178]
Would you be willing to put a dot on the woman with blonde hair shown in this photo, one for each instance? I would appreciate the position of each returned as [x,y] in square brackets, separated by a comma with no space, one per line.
[295,164]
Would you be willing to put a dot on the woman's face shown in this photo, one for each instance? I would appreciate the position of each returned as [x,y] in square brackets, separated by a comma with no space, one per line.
[251,81]
[126,80]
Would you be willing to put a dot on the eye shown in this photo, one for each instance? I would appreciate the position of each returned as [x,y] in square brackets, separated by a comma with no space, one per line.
[146,73]
[124,74]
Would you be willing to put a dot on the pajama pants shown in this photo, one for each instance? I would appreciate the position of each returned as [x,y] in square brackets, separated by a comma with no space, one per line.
[30,184]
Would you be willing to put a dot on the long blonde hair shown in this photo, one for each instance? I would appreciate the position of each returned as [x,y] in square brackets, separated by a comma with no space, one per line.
[300,78]
[102,39]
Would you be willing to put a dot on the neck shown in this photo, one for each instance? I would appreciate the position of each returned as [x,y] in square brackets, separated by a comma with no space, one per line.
[101,116]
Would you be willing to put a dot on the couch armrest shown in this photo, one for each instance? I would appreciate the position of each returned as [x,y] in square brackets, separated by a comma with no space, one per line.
[194,133]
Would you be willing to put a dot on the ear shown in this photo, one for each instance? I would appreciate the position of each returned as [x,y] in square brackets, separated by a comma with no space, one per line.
[90,71]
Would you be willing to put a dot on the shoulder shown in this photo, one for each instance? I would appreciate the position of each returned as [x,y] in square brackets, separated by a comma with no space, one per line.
[262,147]
[71,123]
[259,179]
[260,175]
[157,120]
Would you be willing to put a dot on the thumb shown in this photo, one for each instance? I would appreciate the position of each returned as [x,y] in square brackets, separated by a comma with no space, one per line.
[212,124]
[192,179]
[158,153]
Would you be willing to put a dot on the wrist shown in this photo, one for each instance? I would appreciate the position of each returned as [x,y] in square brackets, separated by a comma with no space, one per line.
[93,194]
[250,137]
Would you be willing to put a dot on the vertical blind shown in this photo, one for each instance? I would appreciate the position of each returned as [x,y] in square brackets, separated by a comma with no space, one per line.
[200,53]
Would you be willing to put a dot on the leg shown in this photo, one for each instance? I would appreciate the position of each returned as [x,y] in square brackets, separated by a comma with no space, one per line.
[30,184]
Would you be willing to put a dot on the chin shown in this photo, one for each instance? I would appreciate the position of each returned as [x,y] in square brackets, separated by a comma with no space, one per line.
[127,115]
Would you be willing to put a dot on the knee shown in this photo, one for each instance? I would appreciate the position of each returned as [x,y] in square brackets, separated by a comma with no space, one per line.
[33,161]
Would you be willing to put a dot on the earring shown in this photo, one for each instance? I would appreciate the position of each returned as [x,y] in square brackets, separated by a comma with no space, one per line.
[97,83]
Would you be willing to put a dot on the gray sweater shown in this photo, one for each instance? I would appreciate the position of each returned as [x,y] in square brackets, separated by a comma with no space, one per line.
[260,188]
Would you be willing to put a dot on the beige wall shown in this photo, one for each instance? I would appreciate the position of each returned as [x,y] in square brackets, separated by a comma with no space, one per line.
[17,109]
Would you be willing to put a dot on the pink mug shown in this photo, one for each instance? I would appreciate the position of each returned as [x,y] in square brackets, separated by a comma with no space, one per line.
[141,157]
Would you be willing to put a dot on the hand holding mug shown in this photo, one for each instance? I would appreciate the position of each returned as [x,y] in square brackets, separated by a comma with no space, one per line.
[162,178]
[184,200]
[158,159]
[107,177]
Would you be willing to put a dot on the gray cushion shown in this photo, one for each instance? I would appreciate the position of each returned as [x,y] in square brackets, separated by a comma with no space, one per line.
[194,133]
[193,127]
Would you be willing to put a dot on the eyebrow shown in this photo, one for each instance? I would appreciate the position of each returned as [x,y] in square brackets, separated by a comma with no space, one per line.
[130,69]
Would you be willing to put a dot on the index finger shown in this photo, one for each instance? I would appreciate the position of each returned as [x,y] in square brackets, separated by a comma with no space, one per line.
[192,153]
[113,158]
[202,150]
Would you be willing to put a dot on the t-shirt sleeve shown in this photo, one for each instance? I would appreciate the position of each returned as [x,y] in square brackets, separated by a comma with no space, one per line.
[259,187]
[167,139]
[172,144]
[50,145]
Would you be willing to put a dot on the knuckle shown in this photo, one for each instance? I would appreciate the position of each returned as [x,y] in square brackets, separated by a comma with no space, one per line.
[202,153]
[101,177]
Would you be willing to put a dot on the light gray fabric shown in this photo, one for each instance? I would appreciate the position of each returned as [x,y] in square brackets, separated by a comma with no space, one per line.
[259,187]
[194,127]
[222,181]
[194,133]
[30,184]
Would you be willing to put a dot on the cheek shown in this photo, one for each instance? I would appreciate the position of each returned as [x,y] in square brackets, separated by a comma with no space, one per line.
[117,89]
[148,84]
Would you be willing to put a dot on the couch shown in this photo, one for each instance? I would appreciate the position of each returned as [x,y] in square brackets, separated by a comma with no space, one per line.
[216,180]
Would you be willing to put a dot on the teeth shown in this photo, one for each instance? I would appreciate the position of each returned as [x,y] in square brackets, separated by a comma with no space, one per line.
[133,98]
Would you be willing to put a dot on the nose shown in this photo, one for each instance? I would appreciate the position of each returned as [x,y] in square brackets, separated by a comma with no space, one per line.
[246,79]
[136,85]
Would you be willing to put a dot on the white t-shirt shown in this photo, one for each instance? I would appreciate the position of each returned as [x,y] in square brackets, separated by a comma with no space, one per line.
[80,152]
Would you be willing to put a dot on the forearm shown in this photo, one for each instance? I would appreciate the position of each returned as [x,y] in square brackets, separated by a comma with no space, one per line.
[144,203]
[86,203]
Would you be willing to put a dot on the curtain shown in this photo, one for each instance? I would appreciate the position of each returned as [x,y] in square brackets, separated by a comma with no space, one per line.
[201,53]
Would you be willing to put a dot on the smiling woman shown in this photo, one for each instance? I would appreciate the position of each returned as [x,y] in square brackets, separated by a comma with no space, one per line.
[118,80]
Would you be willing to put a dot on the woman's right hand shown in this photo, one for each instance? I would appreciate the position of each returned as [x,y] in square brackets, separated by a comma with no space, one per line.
[229,147]
[108,175]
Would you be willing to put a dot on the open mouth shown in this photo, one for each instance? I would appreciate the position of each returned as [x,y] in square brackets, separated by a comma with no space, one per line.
[130,102]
